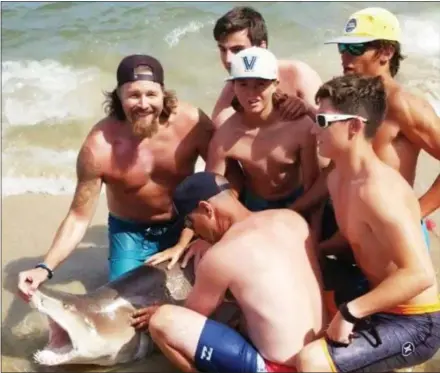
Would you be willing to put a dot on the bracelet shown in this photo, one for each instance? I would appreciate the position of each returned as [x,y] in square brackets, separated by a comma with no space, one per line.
[44,266]
[346,314]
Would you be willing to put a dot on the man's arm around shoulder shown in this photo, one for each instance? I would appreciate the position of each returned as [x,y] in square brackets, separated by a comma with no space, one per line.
[399,234]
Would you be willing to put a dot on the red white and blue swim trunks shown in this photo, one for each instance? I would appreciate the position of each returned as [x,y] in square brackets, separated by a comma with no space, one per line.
[222,349]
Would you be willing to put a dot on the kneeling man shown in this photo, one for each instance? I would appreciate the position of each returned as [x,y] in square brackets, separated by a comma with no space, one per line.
[266,259]
[397,323]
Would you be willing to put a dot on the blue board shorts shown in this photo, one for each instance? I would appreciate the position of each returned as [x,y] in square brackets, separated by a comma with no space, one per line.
[131,243]
[256,203]
[400,338]
[222,349]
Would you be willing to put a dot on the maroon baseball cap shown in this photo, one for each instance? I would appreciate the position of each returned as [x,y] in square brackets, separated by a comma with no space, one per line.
[126,69]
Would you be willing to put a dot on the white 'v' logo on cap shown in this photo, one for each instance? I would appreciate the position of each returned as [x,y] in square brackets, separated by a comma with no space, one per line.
[249,64]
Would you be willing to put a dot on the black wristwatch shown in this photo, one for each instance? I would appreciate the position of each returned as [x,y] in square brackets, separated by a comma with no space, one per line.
[44,266]
[346,314]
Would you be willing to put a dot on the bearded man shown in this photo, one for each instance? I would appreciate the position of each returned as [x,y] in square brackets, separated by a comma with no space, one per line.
[146,145]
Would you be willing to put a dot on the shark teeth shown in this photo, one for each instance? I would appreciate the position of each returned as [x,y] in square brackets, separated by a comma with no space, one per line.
[53,357]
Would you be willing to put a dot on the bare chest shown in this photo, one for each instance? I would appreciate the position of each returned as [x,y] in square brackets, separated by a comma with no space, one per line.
[351,222]
[276,148]
[132,166]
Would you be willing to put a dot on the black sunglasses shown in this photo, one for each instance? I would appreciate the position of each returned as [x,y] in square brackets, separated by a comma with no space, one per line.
[357,49]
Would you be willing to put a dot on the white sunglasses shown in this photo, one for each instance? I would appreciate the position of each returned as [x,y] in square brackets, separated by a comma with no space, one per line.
[324,120]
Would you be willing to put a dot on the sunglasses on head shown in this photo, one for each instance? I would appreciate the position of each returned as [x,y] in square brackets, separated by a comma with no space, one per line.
[324,120]
[357,49]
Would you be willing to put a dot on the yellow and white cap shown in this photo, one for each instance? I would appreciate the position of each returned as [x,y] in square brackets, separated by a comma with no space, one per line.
[370,24]
[254,62]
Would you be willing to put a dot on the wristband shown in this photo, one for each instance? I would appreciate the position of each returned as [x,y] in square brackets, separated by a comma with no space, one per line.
[346,314]
[44,266]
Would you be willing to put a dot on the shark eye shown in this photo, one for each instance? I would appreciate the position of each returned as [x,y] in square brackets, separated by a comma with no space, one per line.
[68,306]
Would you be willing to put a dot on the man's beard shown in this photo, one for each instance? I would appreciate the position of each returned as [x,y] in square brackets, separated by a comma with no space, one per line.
[142,129]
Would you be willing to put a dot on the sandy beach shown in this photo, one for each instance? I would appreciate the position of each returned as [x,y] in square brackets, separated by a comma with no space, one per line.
[29,224]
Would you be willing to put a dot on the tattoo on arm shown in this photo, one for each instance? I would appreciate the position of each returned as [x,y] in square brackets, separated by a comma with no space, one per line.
[88,170]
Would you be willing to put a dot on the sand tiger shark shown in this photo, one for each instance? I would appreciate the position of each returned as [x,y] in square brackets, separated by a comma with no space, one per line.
[94,328]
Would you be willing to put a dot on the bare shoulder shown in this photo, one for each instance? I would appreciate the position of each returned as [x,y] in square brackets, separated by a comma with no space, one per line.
[300,72]
[105,130]
[190,115]
[226,92]
[385,190]
[229,129]
[223,116]
[187,113]
[302,77]
[260,222]
[408,108]
[303,125]
[296,67]
[94,150]
[287,216]
[223,101]
[220,255]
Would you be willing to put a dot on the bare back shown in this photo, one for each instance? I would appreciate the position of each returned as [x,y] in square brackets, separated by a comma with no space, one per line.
[276,158]
[369,211]
[274,276]
[140,175]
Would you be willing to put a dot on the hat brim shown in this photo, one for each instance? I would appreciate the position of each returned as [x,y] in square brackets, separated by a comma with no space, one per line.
[350,40]
[249,77]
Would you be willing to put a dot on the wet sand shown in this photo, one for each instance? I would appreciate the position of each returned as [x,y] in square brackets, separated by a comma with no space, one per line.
[29,223]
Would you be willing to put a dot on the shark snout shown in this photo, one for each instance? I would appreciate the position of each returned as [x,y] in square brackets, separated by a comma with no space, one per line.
[44,303]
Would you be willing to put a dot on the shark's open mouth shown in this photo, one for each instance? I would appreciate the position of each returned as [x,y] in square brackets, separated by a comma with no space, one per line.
[59,349]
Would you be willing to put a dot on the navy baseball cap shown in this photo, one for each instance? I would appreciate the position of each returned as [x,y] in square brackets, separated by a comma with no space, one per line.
[126,69]
[197,187]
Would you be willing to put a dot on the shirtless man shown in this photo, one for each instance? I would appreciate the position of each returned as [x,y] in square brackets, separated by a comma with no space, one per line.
[244,27]
[147,144]
[278,157]
[397,323]
[371,47]
[267,261]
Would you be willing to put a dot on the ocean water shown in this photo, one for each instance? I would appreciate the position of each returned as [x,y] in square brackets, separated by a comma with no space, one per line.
[58,58]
